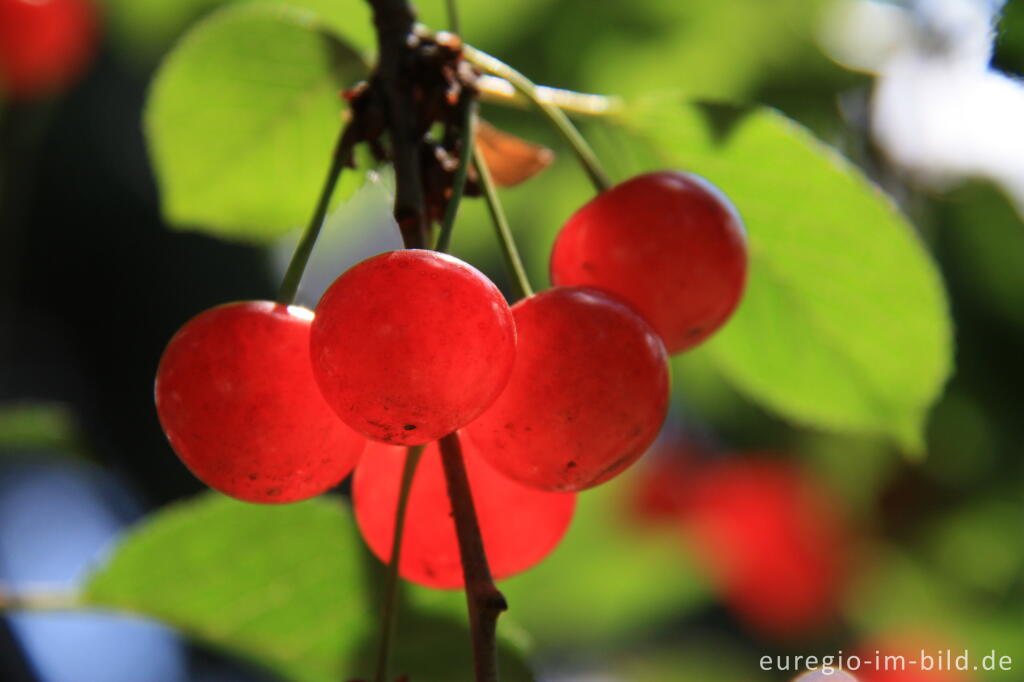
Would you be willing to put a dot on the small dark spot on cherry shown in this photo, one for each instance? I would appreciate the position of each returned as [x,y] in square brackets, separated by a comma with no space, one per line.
[253,477]
[409,427]
[273,492]
[570,464]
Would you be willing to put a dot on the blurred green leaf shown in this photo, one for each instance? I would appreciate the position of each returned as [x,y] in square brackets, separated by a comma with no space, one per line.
[896,590]
[717,49]
[899,592]
[38,426]
[145,28]
[984,237]
[241,120]
[607,579]
[979,545]
[698,657]
[844,324]
[280,585]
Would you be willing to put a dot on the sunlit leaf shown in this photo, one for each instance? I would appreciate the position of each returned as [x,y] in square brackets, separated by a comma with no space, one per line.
[242,119]
[288,587]
[280,585]
[145,28]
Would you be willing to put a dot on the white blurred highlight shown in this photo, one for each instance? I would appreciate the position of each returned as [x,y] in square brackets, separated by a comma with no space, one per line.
[939,111]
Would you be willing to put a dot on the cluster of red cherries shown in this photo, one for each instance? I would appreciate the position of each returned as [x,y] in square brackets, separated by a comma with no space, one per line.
[556,394]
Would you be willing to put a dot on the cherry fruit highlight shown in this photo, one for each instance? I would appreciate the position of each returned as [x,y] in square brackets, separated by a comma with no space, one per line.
[669,243]
[410,345]
[588,393]
[519,525]
[236,397]
[44,45]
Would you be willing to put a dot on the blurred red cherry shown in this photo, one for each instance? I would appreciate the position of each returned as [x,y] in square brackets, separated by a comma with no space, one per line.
[44,45]
[661,483]
[773,540]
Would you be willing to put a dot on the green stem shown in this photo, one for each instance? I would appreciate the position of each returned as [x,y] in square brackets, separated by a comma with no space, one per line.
[451,211]
[389,613]
[565,127]
[453,17]
[509,251]
[300,258]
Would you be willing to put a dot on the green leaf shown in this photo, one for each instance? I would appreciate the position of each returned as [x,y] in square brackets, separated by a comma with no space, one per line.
[289,587]
[146,27]
[845,322]
[280,585]
[242,119]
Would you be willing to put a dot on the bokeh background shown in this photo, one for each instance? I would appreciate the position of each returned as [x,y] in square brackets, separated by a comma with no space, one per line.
[740,535]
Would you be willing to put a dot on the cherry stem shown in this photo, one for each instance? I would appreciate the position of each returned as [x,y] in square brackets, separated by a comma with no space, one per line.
[565,127]
[389,614]
[499,91]
[484,600]
[509,250]
[300,258]
[451,210]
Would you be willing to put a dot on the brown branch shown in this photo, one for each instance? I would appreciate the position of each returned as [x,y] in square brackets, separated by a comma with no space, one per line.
[394,21]
[483,598]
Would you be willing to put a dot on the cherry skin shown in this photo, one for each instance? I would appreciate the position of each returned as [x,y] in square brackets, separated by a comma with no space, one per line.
[44,45]
[588,393]
[409,346]
[236,397]
[669,243]
[773,539]
[519,525]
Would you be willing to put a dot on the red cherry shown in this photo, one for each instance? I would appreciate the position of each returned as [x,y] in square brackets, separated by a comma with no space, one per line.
[588,393]
[236,397]
[669,243]
[773,540]
[519,525]
[44,45]
[409,346]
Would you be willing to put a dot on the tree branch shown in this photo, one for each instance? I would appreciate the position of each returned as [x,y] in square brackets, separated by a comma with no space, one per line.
[394,21]
[483,598]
